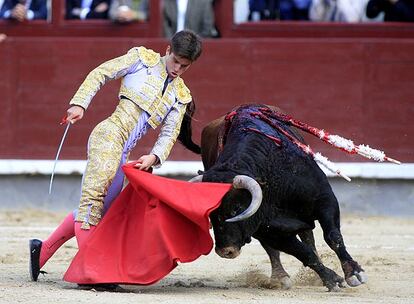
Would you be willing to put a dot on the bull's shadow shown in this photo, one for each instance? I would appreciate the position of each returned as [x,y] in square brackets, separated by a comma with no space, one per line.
[278,193]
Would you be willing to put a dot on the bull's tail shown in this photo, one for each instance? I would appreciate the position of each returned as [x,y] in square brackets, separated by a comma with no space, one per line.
[185,136]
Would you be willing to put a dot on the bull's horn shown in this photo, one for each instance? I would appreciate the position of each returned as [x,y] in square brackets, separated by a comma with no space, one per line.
[248,183]
[196,179]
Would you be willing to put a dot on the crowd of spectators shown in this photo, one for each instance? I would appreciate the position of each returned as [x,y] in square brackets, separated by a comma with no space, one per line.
[330,10]
[198,15]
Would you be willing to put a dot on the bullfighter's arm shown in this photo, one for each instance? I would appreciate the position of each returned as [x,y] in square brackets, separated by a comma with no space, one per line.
[109,70]
[169,132]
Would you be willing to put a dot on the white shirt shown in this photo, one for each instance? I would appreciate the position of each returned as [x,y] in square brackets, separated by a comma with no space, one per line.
[338,10]
[6,13]
[181,10]
[86,8]
[86,3]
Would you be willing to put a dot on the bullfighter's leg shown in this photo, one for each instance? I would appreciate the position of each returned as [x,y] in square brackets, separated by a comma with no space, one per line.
[278,272]
[329,219]
[303,252]
[106,148]
[41,252]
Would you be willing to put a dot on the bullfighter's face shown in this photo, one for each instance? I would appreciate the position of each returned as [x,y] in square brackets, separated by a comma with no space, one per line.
[230,237]
[176,65]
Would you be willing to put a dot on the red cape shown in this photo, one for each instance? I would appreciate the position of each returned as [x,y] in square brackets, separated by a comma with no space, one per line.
[152,224]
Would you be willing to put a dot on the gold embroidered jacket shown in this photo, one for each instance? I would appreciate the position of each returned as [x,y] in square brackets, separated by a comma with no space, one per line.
[143,73]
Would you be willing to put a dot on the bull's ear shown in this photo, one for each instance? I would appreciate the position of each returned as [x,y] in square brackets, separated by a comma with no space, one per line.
[288,225]
[260,181]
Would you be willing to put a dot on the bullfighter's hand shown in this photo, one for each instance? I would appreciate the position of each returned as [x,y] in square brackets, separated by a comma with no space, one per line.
[74,114]
[145,162]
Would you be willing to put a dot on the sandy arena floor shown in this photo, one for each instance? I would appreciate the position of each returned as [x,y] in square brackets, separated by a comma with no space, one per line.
[383,246]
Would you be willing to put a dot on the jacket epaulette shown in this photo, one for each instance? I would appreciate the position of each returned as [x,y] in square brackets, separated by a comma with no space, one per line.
[182,92]
[148,57]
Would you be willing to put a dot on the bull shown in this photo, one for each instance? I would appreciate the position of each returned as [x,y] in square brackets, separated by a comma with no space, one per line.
[278,193]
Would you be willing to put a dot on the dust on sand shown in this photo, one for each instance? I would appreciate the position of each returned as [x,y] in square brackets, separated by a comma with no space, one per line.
[383,246]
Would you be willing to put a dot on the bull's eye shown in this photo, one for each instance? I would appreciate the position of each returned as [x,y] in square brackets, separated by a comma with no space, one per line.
[233,213]
[236,211]
[220,218]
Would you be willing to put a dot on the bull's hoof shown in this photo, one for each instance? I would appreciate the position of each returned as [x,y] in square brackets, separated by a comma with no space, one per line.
[354,274]
[332,281]
[337,286]
[357,279]
[286,283]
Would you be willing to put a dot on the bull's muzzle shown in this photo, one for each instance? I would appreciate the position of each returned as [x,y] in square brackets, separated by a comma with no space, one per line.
[229,252]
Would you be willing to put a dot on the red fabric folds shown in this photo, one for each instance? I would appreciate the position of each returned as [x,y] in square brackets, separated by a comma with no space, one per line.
[152,224]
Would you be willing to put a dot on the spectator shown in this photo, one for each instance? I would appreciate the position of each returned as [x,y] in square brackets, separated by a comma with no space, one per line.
[263,10]
[294,9]
[87,9]
[394,10]
[125,11]
[278,9]
[195,15]
[338,10]
[22,10]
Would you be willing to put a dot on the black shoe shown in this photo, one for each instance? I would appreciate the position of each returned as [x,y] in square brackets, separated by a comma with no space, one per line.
[34,268]
[101,287]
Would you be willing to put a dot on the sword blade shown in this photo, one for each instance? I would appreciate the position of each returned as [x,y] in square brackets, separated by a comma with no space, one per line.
[57,156]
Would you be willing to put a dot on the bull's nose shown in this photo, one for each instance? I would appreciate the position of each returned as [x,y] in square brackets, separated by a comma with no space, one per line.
[228,252]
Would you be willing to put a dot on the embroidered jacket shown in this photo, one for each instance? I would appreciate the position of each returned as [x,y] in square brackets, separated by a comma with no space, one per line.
[143,74]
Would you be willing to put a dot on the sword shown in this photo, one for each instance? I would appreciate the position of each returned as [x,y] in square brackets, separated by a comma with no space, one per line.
[58,152]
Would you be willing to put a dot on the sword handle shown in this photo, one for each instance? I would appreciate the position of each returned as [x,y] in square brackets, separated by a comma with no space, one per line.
[64,120]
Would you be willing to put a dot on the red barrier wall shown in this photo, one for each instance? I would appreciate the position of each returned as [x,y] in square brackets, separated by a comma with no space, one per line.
[359,88]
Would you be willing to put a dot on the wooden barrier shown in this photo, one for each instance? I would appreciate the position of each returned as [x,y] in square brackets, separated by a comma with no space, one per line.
[353,80]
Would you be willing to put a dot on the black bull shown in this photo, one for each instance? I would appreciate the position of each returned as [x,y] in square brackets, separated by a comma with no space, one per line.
[294,192]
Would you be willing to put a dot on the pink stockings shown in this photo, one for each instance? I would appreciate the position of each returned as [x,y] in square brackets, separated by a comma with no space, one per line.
[64,232]
[82,234]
